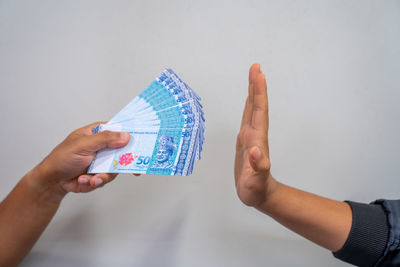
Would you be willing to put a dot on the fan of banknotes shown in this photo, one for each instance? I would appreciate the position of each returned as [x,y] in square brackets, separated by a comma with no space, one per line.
[166,125]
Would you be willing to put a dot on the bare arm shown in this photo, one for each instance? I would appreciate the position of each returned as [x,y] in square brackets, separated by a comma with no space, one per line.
[24,215]
[324,221]
[30,206]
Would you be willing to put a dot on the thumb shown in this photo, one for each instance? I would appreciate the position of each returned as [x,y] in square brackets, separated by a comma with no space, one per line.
[258,160]
[95,142]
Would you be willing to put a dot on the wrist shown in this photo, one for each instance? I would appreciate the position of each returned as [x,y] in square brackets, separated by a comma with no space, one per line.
[272,187]
[45,185]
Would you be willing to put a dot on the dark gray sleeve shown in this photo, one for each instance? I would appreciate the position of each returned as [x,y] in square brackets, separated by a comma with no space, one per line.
[368,236]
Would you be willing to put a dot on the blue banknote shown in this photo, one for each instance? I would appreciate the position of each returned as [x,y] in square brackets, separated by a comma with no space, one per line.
[166,124]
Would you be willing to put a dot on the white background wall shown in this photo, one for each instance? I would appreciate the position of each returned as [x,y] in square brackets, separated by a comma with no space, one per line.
[333,74]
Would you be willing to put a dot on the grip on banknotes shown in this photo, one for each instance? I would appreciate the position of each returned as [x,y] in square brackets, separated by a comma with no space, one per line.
[166,124]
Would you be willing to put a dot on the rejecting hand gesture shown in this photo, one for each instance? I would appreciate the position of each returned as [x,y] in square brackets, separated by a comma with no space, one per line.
[252,164]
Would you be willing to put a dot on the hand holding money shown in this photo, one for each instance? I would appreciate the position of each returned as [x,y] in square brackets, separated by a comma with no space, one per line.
[159,132]
[65,167]
[166,124]
[252,165]
[26,211]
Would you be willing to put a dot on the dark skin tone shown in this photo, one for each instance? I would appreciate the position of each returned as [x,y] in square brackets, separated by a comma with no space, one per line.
[30,206]
[324,221]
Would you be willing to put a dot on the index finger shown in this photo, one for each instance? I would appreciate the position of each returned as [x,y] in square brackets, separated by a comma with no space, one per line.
[259,120]
[248,109]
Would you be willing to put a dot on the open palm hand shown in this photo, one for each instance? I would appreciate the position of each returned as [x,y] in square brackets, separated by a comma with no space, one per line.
[252,164]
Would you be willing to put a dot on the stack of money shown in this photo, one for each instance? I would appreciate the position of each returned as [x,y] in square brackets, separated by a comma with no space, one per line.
[166,127]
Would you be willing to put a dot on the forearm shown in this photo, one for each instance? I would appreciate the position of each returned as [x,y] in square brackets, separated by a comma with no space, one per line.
[323,221]
[24,215]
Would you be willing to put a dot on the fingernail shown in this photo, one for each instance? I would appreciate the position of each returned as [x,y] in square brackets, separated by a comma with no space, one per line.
[83,180]
[98,182]
[124,136]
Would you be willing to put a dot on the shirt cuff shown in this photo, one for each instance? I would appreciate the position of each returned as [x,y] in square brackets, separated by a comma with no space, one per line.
[368,235]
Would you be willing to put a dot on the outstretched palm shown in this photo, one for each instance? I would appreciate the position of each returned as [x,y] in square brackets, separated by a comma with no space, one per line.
[252,165]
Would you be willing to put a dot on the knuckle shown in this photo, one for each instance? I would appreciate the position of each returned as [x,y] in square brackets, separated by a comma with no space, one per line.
[240,139]
[107,134]
[73,135]
[241,135]
[258,108]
